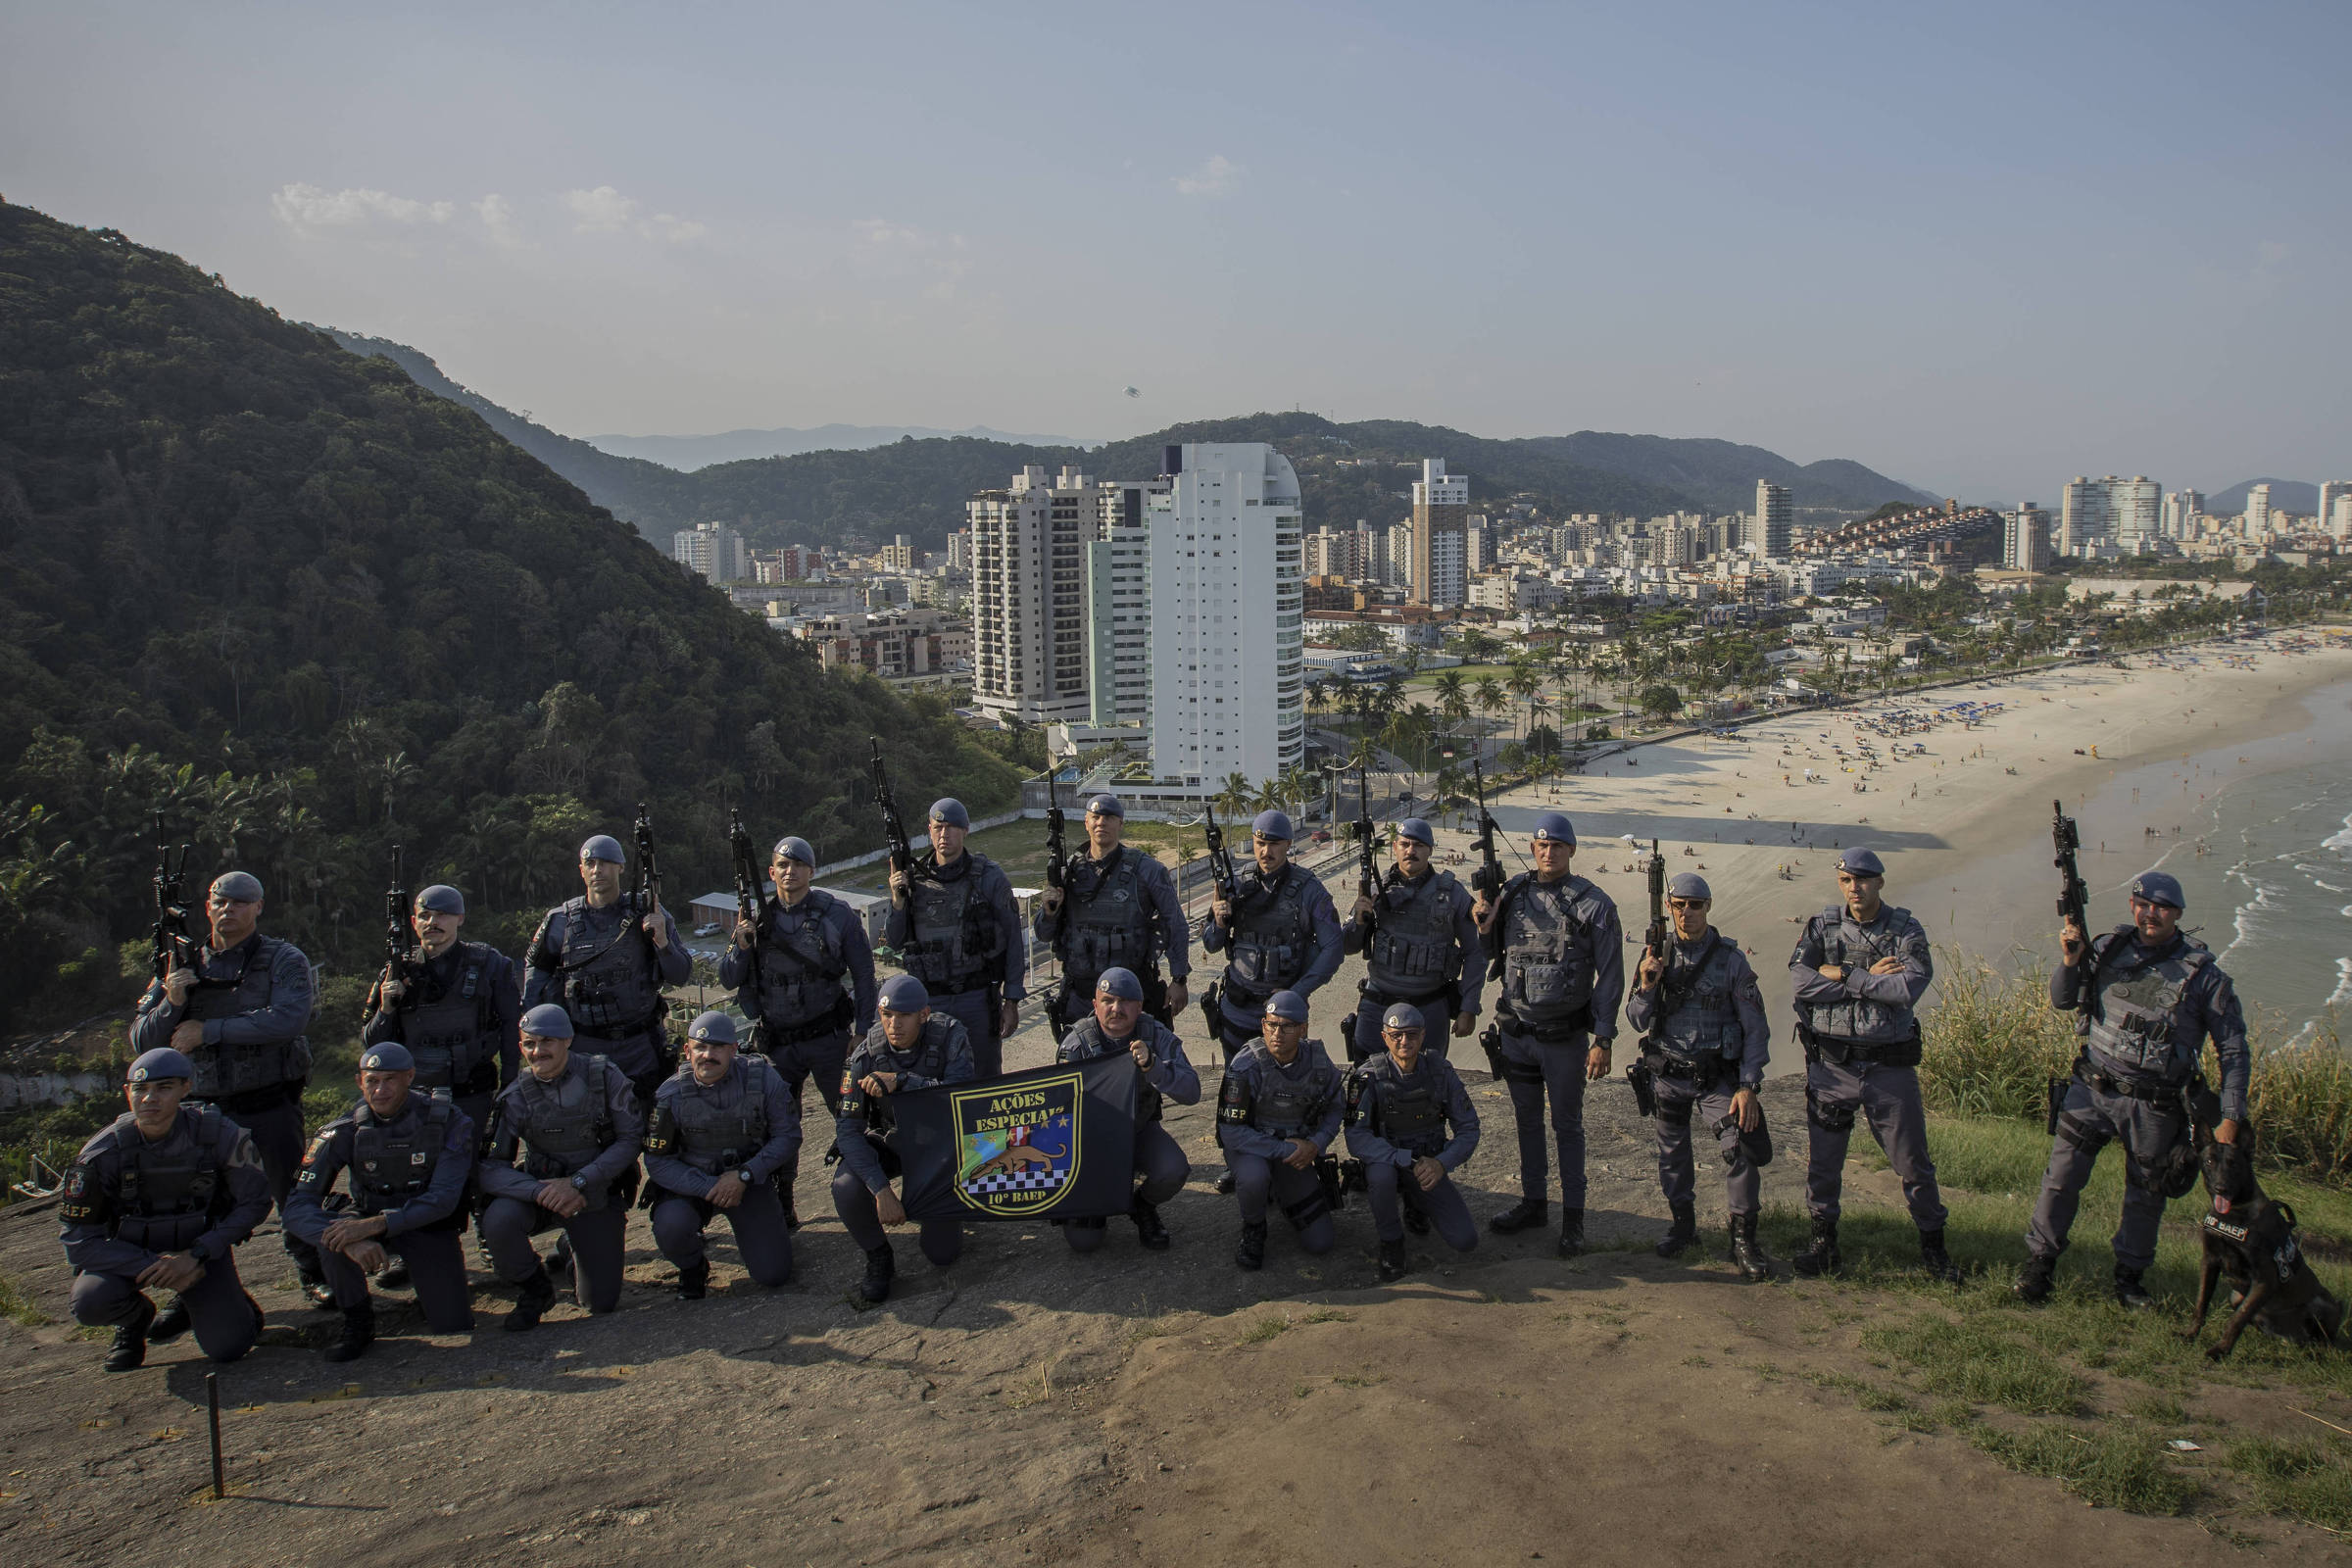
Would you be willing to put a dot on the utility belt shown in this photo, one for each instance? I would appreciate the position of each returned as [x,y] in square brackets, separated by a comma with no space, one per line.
[776,1037]
[1884,1053]
[2165,1097]
[619,1193]
[1550,1031]
[2171,1171]
[1704,1072]
[1385,1000]
[288,1092]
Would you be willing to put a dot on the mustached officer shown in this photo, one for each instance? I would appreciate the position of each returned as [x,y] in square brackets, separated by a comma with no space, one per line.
[409,1158]
[456,1010]
[239,1016]
[806,971]
[1859,970]
[957,931]
[1411,1123]
[1118,907]
[722,1126]
[2155,997]
[155,1202]
[1119,1024]
[1420,947]
[604,961]
[911,1047]
[1277,1110]
[1279,933]
[1705,1043]
[1560,956]
[561,1152]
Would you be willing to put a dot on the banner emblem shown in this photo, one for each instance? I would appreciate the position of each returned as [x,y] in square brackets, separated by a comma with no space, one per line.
[1017,1143]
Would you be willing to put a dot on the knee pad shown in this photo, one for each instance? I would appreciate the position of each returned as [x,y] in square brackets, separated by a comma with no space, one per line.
[1673,1113]
[1829,1118]
[1307,1209]
[1522,1072]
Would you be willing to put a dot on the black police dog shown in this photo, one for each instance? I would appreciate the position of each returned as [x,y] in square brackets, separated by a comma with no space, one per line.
[2251,1238]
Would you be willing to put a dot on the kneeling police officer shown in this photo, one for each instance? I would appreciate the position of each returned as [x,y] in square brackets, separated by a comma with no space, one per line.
[723,1125]
[1400,1105]
[155,1202]
[909,1048]
[1119,1024]
[1279,1109]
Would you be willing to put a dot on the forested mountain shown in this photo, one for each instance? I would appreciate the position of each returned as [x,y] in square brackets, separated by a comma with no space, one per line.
[687,453]
[309,610]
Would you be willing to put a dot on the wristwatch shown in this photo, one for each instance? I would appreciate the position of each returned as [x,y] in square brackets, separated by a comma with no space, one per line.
[742,1175]
[579,1184]
[196,1251]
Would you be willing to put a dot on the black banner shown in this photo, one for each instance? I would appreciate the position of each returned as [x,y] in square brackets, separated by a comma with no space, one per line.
[1055,1142]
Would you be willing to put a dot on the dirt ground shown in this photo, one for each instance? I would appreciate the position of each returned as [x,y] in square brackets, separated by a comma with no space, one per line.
[1025,1405]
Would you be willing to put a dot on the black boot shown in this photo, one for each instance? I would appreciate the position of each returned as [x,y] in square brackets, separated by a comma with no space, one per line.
[538,1292]
[1682,1234]
[169,1324]
[881,1268]
[359,1332]
[1251,1253]
[559,1261]
[313,1285]
[784,1184]
[1572,1232]
[1391,1260]
[1416,1218]
[128,1353]
[2035,1280]
[1525,1214]
[2129,1291]
[1225,1185]
[394,1276]
[694,1283]
[1820,1258]
[1755,1262]
[1938,1262]
[1149,1231]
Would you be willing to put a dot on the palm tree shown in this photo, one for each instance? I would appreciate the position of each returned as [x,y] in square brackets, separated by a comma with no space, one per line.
[1526,683]
[1269,796]
[1490,696]
[1235,794]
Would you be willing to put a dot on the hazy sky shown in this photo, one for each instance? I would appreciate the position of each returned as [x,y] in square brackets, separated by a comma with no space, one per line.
[1979,247]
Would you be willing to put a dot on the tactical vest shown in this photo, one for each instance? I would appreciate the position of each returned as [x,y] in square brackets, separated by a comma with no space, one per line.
[454,1037]
[954,942]
[1547,974]
[1413,951]
[564,1125]
[611,989]
[928,1059]
[2138,1026]
[227,1071]
[1093,1045]
[714,1135]
[1271,942]
[1409,1112]
[1705,1019]
[1850,948]
[1281,1106]
[169,1193]
[801,968]
[1110,924]
[392,1162]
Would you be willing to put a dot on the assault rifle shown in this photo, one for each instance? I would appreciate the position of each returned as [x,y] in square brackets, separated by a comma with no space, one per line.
[649,869]
[747,890]
[894,826]
[175,943]
[400,937]
[2074,899]
[1367,875]
[1056,841]
[1487,878]
[1220,859]
[1656,943]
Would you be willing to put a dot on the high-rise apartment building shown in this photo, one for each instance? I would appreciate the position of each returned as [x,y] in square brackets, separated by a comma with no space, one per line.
[712,548]
[1399,555]
[2137,505]
[1030,634]
[2085,515]
[1118,575]
[2257,509]
[2025,539]
[1776,521]
[2181,510]
[2335,515]
[959,553]
[901,556]
[1439,532]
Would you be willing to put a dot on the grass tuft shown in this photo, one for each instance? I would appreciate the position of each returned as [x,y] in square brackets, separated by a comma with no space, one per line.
[18,1308]
[2105,1468]
[2312,1481]
[1264,1329]
[1971,1359]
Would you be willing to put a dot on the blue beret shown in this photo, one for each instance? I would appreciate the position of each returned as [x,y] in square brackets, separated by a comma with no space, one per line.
[1404,1015]
[949,809]
[605,846]
[239,887]
[548,1022]
[902,993]
[161,1062]
[1689,885]
[1861,863]
[1288,1006]
[1272,825]
[712,1028]
[1412,827]
[390,1056]
[1555,826]
[1107,806]
[442,899]
[790,848]
[2158,887]
[1120,983]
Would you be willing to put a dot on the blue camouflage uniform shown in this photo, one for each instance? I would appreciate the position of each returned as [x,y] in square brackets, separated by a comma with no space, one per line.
[414,1168]
[1285,936]
[603,970]
[1561,964]
[960,934]
[743,1128]
[1421,946]
[1120,912]
[814,989]
[1394,1118]
[1706,1037]
[863,1134]
[458,1015]
[1263,1107]
[581,1126]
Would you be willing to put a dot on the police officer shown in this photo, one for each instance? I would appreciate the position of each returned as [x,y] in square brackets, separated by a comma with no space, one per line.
[1421,948]
[454,1008]
[1121,911]
[604,961]
[911,1047]
[806,971]
[1277,1110]
[1859,970]
[1279,933]
[1562,960]
[952,920]
[2155,996]
[239,1017]
[1705,1043]
[409,1158]
[571,1119]
[1119,1024]
[1402,1105]
[722,1126]
[155,1202]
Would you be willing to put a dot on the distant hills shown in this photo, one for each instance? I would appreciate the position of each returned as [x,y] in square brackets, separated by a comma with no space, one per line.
[687,453]
[2286,495]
